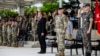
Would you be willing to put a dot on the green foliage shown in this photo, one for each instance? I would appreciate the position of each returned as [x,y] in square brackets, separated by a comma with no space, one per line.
[7,12]
[49,6]
[29,10]
[1,13]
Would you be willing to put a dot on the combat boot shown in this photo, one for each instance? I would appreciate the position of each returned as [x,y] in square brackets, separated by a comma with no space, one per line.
[60,53]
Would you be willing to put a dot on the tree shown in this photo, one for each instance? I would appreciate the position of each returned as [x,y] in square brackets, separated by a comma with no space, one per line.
[7,12]
[29,10]
[49,6]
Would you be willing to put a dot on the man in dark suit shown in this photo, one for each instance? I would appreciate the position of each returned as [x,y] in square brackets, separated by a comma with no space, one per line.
[41,31]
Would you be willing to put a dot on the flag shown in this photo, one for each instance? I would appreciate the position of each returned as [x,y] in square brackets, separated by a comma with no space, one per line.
[97,16]
[96,12]
[98,28]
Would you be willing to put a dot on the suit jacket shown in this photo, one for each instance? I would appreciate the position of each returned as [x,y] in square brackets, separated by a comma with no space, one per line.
[41,26]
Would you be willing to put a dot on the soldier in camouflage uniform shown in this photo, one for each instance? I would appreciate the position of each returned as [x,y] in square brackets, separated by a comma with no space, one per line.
[9,30]
[33,25]
[87,22]
[60,26]
[14,33]
[4,33]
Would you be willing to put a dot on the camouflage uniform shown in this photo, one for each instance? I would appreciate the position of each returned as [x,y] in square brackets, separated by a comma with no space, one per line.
[4,34]
[60,25]
[9,37]
[14,34]
[86,17]
[33,25]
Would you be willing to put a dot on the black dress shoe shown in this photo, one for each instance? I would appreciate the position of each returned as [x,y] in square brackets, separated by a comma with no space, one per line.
[41,52]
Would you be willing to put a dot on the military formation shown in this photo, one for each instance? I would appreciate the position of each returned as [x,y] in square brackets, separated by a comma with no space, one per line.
[8,33]
[14,32]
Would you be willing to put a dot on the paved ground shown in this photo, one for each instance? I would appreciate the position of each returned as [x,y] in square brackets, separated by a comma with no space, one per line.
[23,51]
[28,51]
